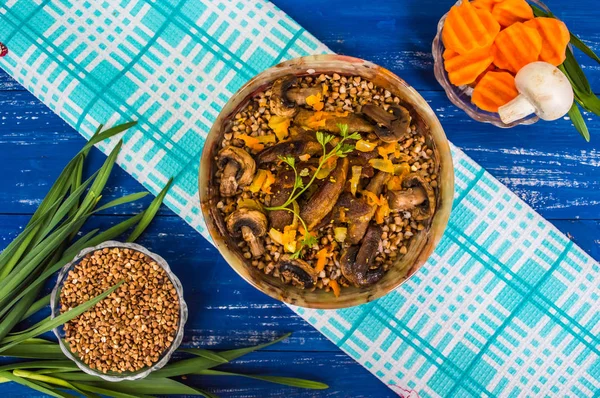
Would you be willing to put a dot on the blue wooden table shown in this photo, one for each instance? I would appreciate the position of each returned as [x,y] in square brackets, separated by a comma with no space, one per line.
[548,165]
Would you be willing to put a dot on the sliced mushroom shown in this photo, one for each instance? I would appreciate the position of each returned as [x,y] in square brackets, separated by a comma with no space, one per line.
[300,94]
[390,126]
[251,225]
[425,209]
[357,261]
[357,226]
[406,199]
[325,197]
[282,188]
[297,270]
[355,122]
[239,169]
[279,103]
[296,147]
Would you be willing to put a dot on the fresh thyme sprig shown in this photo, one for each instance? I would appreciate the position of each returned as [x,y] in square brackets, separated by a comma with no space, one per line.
[340,150]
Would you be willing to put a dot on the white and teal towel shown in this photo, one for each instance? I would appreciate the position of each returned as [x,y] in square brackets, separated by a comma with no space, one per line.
[507,306]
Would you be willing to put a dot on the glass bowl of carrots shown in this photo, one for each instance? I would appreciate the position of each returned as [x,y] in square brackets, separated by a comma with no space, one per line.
[478,71]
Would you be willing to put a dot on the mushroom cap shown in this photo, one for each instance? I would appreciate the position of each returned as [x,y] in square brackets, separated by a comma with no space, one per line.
[356,261]
[425,210]
[253,219]
[280,104]
[547,88]
[298,270]
[247,165]
[390,126]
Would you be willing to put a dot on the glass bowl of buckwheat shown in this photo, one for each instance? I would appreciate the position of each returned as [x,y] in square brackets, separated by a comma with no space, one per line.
[134,330]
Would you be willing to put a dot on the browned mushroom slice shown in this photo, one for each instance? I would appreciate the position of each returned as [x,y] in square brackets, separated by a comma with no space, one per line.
[300,94]
[251,225]
[239,169]
[279,103]
[425,209]
[329,121]
[356,261]
[325,197]
[295,148]
[282,188]
[390,126]
[357,226]
[406,199]
[298,271]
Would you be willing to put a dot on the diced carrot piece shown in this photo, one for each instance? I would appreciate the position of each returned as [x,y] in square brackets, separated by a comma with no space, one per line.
[494,90]
[464,69]
[510,11]
[321,259]
[555,39]
[467,29]
[335,287]
[516,46]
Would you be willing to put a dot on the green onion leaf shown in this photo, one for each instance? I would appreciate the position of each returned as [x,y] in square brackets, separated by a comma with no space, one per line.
[96,138]
[37,306]
[123,200]
[35,351]
[199,352]
[65,364]
[149,213]
[286,381]
[578,122]
[36,386]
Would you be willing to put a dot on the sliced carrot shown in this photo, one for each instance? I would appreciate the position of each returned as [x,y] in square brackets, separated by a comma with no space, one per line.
[494,90]
[555,39]
[467,29]
[335,287]
[508,12]
[490,68]
[486,5]
[464,69]
[516,46]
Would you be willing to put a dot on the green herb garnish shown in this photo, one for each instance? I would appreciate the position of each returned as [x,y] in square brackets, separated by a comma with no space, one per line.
[340,150]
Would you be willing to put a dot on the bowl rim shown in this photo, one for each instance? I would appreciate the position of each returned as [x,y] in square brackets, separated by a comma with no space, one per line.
[165,356]
[440,219]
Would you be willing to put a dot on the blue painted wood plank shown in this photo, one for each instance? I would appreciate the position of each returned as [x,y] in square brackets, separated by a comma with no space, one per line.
[548,165]
[397,34]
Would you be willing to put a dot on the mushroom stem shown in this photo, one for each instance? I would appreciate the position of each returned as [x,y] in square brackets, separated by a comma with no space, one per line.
[516,109]
[543,89]
[256,248]
[229,184]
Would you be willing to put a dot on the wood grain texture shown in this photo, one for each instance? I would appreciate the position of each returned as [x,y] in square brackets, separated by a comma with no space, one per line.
[547,165]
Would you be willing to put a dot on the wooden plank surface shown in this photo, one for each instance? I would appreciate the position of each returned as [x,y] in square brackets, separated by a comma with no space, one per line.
[547,165]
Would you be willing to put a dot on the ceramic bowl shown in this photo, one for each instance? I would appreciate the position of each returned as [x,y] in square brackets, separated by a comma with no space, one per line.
[404,267]
[60,334]
[461,96]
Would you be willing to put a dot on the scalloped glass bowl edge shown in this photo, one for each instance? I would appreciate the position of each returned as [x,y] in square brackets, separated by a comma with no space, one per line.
[59,331]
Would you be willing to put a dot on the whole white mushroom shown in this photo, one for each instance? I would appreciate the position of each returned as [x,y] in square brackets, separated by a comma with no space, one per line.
[543,90]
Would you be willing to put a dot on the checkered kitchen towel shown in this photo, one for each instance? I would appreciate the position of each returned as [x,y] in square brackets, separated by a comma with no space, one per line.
[506,306]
